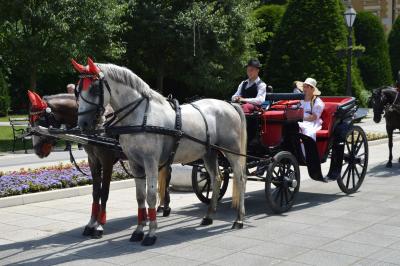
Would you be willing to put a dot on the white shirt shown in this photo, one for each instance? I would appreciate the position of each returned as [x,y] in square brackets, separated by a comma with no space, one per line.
[262,91]
[310,128]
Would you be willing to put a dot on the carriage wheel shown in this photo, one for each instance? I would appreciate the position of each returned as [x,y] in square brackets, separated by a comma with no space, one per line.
[201,183]
[355,161]
[283,182]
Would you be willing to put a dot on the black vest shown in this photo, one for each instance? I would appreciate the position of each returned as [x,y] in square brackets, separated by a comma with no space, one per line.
[250,92]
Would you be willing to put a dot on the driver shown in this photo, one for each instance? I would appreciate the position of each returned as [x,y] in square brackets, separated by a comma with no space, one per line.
[251,92]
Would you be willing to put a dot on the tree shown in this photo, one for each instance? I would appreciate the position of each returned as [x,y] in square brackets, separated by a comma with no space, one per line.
[394,44]
[269,18]
[305,44]
[197,46]
[374,64]
[40,36]
[5,100]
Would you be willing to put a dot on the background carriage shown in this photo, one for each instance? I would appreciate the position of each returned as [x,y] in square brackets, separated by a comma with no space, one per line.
[274,153]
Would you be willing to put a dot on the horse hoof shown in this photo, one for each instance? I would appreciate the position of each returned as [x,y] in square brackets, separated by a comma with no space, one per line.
[97,234]
[389,165]
[206,221]
[166,212]
[149,240]
[237,225]
[137,236]
[160,209]
[88,231]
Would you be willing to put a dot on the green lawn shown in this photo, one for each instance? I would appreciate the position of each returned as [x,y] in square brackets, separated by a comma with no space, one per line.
[5,118]
[6,140]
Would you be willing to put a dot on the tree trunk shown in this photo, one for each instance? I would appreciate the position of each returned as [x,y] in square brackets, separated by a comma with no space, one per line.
[160,78]
[32,80]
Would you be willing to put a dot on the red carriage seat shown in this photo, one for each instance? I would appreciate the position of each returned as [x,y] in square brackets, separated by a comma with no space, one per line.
[328,119]
[274,119]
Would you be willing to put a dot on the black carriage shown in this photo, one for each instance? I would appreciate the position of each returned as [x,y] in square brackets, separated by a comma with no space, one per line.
[275,151]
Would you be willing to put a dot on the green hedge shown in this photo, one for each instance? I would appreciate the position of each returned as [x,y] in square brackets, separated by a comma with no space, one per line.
[374,63]
[305,44]
[394,45]
[269,18]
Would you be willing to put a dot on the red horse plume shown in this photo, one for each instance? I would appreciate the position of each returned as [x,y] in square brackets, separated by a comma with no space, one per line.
[90,69]
[38,105]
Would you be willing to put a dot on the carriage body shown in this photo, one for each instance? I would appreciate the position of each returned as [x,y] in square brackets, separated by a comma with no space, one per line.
[275,141]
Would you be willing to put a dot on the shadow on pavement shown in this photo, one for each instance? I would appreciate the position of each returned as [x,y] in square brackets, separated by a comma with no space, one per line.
[182,226]
[382,171]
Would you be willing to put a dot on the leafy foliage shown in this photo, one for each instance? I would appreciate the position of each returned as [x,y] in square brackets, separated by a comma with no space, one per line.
[304,46]
[39,37]
[269,19]
[374,64]
[5,100]
[191,46]
[394,44]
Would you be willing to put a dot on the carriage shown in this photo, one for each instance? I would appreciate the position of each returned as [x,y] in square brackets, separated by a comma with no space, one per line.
[275,150]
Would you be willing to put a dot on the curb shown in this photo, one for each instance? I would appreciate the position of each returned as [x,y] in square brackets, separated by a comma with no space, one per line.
[59,194]
[381,141]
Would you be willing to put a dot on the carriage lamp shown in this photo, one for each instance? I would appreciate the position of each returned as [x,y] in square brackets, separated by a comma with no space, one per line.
[349,16]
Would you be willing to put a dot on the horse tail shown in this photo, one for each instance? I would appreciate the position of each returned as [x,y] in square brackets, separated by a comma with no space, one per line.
[162,183]
[243,147]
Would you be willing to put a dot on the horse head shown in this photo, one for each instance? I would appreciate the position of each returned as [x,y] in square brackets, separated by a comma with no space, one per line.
[377,102]
[90,95]
[51,111]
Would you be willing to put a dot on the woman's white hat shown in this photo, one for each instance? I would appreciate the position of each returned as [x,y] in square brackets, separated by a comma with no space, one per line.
[313,83]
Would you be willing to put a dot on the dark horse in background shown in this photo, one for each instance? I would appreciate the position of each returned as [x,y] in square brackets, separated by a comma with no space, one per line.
[61,110]
[387,100]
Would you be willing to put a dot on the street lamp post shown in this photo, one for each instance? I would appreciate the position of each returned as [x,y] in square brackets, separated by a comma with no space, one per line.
[349,16]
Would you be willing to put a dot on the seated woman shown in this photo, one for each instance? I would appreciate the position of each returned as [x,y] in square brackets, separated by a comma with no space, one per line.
[313,107]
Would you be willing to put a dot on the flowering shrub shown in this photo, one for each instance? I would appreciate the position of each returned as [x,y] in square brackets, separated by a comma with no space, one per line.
[48,178]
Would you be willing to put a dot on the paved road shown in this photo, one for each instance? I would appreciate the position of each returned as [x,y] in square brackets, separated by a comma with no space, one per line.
[325,227]
[11,161]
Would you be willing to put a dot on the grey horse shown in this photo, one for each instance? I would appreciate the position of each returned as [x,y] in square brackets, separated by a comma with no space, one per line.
[220,122]
[62,109]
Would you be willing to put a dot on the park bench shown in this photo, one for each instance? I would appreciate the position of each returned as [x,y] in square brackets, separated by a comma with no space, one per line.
[19,126]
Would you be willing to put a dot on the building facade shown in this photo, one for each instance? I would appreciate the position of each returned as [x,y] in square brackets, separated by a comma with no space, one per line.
[386,10]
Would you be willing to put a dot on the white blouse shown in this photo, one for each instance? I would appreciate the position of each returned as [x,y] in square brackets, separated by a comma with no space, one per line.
[310,128]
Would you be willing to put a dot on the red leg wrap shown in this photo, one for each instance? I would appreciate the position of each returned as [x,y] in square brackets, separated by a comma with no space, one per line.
[152,214]
[102,218]
[142,215]
[95,209]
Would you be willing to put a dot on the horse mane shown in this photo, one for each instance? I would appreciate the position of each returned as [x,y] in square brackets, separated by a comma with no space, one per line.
[126,77]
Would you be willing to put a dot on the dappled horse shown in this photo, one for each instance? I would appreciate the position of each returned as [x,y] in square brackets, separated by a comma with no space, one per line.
[214,122]
[387,100]
[61,109]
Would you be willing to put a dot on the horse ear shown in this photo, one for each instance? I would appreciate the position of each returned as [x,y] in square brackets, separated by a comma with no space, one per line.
[93,69]
[32,98]
[78,67]
[39,103]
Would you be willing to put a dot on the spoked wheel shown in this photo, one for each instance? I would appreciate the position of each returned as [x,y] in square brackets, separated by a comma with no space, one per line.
[283,182]
[355,161]
[201,182]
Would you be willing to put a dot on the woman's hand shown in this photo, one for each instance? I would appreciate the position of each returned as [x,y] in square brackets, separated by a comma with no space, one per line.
[310,118]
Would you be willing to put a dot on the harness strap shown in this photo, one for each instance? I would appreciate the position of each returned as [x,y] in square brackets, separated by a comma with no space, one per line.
[146,112]
[72,160]
[178,128]
[112,121]
[205,122]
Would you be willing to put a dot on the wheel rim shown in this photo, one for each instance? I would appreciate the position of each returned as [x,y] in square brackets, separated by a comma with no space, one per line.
[204,185]
[354,160]
[283,183]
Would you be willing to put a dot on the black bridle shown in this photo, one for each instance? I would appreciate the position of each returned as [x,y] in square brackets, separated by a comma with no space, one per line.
[94,89]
